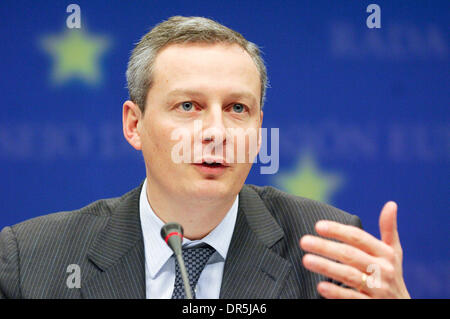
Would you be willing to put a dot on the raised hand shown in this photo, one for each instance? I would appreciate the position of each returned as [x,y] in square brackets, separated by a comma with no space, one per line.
[371,267]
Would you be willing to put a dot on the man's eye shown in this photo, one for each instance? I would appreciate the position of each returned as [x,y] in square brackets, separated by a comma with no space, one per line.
[238,108]
[187,106]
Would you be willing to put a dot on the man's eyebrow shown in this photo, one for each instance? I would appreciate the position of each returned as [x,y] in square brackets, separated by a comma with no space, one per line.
[234,95]
[246,95]
[184,92]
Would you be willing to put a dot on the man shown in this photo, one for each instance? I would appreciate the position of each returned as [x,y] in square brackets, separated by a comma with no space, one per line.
[195,76]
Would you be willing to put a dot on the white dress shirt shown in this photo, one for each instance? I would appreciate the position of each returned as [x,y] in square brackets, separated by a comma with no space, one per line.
[160,262]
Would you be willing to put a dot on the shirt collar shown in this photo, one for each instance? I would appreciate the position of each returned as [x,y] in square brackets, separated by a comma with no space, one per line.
[157,253]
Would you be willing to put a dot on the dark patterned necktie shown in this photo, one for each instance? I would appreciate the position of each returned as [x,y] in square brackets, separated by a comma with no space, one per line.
[195,260]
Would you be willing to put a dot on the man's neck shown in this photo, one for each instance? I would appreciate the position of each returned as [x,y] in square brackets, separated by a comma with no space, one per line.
[197,216]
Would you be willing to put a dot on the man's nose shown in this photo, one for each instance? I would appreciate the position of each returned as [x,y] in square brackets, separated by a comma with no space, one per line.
[213,125]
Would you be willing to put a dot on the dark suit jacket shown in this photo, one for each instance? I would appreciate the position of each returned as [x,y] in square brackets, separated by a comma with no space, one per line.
[105,240]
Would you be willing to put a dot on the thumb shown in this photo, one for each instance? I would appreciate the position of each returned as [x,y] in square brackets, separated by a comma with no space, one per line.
[388,224]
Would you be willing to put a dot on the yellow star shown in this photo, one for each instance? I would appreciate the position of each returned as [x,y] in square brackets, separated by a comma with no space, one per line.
[75,55]
[308,181]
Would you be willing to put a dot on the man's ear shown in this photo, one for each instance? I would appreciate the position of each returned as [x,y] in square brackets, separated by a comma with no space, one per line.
[131,122]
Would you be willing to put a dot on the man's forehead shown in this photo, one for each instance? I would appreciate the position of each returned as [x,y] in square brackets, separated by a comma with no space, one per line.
[201,64]
[204,56]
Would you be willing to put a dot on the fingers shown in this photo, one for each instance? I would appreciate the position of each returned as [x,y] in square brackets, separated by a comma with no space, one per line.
[340,272]
[353,236]
[355,255]
[337,251]
[332,291]
[388,225]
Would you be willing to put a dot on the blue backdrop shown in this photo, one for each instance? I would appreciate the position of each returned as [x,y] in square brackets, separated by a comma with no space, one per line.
[362,113]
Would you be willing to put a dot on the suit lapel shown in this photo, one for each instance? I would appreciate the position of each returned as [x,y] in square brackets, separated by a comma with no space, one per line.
[252,269]
[118,254]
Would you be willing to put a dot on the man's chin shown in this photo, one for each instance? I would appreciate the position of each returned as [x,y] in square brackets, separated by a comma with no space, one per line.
[210,189]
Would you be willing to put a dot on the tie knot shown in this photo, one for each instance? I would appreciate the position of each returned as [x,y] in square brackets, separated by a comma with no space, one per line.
[195,260]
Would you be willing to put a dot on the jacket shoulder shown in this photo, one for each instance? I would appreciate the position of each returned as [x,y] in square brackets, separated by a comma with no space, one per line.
[290,208]
[75,228]
[99,209]
[35,253]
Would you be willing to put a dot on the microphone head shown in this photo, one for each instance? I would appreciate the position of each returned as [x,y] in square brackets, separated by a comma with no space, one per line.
[172,234]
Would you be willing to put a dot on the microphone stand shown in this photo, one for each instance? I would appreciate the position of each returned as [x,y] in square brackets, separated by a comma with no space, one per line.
[172,234]
[184,276]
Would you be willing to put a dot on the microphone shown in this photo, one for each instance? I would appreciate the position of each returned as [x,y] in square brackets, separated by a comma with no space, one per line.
[172,234]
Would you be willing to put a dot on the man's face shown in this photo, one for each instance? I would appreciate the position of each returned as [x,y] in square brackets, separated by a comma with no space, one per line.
[203,90]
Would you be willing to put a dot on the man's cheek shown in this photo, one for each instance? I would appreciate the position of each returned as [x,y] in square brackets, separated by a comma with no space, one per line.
[179,146]
[242,145]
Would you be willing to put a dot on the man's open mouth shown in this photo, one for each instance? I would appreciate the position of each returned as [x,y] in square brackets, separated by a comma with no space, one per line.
[212,164]
[213,167]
